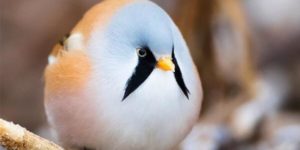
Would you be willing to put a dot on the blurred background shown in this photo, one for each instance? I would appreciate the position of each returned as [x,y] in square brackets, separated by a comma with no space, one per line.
[247,53]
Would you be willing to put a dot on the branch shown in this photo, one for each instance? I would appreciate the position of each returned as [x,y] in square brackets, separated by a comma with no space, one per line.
[15,137]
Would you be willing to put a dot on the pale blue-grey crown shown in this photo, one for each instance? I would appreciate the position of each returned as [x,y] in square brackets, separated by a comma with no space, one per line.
[139,24]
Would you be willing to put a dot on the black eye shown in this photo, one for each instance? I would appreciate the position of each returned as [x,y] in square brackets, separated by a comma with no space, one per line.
[141,52]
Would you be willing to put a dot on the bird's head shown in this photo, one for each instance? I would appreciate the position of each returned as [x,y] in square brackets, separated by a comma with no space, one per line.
[132,44]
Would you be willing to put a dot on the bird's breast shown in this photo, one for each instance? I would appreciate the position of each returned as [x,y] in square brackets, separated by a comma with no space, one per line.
[157,112]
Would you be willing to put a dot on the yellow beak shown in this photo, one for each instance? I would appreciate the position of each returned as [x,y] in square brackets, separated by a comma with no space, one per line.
[166,64]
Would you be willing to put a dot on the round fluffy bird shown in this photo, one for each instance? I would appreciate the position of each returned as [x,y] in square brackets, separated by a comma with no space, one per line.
[123,79]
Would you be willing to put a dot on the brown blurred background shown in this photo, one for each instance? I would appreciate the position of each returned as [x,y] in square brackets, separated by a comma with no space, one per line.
[247,53]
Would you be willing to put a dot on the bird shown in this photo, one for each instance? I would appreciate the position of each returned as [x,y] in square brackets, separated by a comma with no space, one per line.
[122,79]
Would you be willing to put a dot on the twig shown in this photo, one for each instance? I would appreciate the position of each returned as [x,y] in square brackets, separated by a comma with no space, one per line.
[15,137]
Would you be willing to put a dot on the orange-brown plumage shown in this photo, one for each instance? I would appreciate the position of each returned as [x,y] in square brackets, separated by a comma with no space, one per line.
[72,67]
[69,73]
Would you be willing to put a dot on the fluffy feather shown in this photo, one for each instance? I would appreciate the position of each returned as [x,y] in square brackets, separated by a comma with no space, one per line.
[84,88]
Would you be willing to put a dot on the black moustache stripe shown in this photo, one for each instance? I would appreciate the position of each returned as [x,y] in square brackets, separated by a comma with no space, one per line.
[178,76]
[143,70]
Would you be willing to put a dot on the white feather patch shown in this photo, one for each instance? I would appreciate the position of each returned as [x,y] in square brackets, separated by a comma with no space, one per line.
[74,42]
[51,59]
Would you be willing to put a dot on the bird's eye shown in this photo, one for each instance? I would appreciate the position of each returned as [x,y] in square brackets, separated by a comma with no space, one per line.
[141,52]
